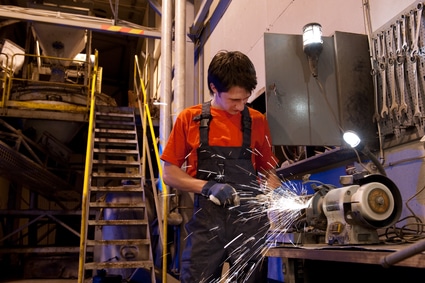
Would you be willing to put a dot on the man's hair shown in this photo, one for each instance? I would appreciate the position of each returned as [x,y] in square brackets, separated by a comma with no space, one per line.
[231,68]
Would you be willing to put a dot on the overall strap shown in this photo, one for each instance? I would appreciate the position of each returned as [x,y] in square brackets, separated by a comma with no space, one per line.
[205,119]
[246,127]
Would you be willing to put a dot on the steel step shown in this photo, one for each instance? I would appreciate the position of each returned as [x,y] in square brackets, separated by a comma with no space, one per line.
[117,205]
[116,175]
[114,114]
[116,162]
[119,264]
[125,188]
[117,222]
[134,242]
[116,152]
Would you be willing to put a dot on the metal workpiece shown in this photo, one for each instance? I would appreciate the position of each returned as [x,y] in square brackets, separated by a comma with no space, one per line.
[399,82]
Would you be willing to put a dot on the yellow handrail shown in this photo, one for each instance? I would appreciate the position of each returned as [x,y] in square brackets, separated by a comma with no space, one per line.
[87,172]
[147,116]
[4,80]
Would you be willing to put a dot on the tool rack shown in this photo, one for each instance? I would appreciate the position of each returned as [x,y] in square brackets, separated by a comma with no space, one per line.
[398,71]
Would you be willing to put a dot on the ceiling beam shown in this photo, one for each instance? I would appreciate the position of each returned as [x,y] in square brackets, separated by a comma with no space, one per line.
[78,21]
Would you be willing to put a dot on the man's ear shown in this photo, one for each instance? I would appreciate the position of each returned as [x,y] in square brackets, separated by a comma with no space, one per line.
[212,87]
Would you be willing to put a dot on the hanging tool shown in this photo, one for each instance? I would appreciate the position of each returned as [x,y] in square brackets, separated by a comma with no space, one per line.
[383,68]
[373,60]
[392,64]
[416,17]
[372,54]
[401,59]
[376,115]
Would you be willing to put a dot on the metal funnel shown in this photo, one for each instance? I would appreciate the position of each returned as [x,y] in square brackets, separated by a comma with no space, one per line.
[60,41]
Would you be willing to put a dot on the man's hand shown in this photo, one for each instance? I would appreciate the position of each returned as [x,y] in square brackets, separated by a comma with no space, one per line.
[220,194]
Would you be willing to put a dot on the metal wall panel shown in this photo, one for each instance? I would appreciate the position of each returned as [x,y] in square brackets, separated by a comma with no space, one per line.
[299,111]
[355,86]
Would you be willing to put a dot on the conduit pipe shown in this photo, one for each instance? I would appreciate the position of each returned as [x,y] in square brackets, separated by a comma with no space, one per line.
[400,255]
[180,58]
[165,111]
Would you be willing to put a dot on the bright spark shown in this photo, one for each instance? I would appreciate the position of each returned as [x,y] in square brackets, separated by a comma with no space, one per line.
[283,207]
[233,240]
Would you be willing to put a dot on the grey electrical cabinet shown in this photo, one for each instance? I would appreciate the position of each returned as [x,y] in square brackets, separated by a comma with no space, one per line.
[308,111]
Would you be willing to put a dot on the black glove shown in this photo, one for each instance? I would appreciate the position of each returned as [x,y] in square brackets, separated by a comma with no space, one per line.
[220,193]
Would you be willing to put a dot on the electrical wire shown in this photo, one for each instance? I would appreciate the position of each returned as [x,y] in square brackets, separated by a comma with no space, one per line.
[404,234]
[323,92]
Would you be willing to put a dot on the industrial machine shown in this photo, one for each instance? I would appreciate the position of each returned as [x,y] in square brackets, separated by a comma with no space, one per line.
[352,214]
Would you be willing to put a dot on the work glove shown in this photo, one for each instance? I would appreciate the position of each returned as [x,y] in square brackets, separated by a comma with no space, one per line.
[220,193]
[280,191]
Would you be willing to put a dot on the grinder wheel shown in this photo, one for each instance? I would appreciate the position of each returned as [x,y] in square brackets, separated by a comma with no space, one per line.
[378,200]
[375,201]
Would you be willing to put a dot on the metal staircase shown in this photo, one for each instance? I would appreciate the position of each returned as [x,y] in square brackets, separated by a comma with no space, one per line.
[119,233]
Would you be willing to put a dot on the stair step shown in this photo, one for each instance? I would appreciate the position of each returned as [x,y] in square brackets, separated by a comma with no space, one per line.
[115,140]
[115,151]
[123,242]
[120,264]
[116,162]
[121,222]
[114,131]
[114,114]
[114,124]
[117,189]
[117,205]
[116,175]
[117,133]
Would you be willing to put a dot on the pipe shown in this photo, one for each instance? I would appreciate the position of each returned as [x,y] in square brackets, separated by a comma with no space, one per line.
[400,255]
[180,61]
[166,72]
[165,111]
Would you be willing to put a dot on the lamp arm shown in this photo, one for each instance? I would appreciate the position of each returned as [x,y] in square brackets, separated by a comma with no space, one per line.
[375,160]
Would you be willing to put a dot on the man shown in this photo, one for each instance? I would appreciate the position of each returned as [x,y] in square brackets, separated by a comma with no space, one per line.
[227,148]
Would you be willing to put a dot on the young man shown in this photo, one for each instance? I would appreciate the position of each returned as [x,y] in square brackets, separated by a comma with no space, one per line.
[225,146]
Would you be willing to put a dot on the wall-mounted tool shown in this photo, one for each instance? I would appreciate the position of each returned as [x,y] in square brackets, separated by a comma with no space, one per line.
[382,57]
[415,18]
[401,60]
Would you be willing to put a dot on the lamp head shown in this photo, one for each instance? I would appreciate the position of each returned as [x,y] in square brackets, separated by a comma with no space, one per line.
[313,45]
[353,139]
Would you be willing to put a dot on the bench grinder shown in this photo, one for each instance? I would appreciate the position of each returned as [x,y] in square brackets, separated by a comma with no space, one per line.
[352,214]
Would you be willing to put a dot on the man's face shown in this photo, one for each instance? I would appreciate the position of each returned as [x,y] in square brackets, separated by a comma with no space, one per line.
[232,101]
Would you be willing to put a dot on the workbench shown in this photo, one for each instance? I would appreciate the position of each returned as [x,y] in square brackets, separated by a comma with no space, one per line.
[325,263]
